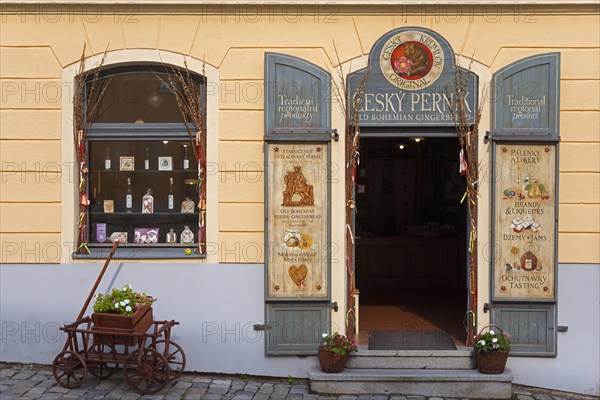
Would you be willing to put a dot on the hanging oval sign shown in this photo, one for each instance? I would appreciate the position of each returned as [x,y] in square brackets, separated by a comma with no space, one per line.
[411,60]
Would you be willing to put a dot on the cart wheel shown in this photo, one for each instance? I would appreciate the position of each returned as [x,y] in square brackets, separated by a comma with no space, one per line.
[175,358]
[103,370]
[148,376]
[69,369]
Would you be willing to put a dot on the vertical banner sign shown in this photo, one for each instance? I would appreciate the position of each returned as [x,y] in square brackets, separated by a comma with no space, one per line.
[525,128]
[525,214]
[298,221]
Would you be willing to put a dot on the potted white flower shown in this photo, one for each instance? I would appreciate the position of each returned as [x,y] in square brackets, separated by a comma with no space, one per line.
[122,311]
[492,349]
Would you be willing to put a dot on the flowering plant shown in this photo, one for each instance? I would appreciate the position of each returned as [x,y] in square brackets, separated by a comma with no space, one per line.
[338,344]
[124,301]
[492,340]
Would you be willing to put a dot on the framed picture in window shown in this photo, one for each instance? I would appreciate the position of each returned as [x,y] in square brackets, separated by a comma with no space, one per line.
[165,163]
[126,163]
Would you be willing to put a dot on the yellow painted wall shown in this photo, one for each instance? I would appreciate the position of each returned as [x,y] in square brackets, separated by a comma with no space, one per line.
[34,53]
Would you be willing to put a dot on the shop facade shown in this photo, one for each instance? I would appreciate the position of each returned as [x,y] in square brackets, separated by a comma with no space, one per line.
[270,268]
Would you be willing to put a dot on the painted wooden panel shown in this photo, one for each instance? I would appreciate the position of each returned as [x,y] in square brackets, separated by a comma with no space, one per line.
[297,226]
[296,96]
[532,328]
[526,99]
[295,328]
[524,222]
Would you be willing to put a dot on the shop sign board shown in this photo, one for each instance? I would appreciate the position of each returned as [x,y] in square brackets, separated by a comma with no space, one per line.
[525,96]
[297,97]
[524,221]
[297,227]
[411,82]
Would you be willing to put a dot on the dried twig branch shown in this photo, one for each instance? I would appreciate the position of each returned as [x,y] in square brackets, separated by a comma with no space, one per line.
[351,109]
[468,136]
[88,93]
[191,102]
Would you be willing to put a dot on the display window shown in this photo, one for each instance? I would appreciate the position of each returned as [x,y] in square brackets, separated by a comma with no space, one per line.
[145,183]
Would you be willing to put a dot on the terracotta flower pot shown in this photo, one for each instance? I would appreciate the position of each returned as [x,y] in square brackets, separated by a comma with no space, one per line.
[331,362]
[491,362]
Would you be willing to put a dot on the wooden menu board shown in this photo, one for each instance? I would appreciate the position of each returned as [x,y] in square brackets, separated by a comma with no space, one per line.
[524,222]
[297,229]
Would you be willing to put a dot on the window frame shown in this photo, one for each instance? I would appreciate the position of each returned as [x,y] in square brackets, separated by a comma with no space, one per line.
[98,132]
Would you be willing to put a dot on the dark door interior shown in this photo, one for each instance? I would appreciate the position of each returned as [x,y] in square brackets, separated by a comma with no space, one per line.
[411,234]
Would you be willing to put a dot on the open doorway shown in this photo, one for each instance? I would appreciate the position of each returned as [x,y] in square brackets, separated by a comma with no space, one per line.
[411,236]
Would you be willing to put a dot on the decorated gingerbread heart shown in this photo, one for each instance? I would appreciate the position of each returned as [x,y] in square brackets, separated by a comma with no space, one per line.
[298,273]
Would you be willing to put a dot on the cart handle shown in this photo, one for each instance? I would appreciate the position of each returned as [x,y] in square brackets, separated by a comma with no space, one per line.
[87,302]
[75,324]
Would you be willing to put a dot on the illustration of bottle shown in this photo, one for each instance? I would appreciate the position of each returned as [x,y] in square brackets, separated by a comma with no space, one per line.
[171,199]
[148,202]
[147,160]
[129,197]
[107,160]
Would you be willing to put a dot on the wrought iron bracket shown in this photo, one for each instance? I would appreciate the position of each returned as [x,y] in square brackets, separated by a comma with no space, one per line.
[262,327]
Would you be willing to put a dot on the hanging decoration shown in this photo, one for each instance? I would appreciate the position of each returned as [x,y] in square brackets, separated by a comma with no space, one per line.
[468,136]
[192,105]
[87,95]
[350,108]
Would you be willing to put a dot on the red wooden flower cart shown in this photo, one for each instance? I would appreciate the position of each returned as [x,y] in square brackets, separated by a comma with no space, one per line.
[103,342]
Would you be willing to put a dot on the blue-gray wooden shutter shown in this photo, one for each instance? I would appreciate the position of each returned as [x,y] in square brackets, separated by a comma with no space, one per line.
[516,90]
[532,327]
[295,326]
[291,76]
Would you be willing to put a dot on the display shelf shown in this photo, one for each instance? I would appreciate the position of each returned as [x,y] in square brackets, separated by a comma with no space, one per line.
[115,184]
[116,171]
[146,245]
[158,217]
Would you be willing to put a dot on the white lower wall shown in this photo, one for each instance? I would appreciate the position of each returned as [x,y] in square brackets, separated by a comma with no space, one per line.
[218,305]
[577,365]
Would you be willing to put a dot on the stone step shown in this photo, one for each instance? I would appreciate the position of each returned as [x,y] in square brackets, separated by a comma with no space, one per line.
[462,358]
[465,384]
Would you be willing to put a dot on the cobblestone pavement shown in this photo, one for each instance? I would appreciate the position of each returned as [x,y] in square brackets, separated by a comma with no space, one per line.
[36,382]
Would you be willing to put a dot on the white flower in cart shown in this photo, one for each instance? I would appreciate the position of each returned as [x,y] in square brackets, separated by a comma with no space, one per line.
[482,342]
[128,308]
[123,303]
[324,335]
[116,305]
[126,301]
[494,340]
[492,332]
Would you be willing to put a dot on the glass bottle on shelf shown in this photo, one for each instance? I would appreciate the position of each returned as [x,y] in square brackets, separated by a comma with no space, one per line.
[148,203]
[129,197]
[186,161]
[171,198]
[187,236]
[147,160]
[171,236]
[107,160]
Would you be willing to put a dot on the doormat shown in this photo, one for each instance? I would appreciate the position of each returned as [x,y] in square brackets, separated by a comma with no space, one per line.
[421,339]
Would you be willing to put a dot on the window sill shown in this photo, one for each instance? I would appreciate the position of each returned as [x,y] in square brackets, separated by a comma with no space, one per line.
[138,253]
